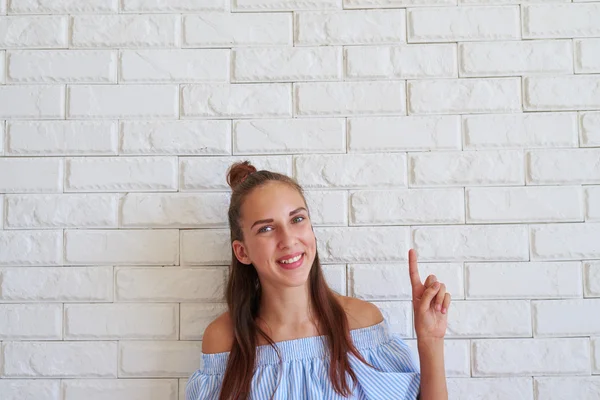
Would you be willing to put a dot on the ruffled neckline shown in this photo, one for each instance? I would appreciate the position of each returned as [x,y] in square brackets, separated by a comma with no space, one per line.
[301,348]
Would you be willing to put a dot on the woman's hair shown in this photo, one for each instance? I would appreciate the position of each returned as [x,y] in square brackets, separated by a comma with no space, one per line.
[244,294]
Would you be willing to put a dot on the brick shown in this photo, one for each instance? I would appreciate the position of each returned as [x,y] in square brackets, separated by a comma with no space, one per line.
[236,101]
[215,248]
[62,6]
[556,388]
[289,136]
[176,137]
[398,315]
[524,204]
[202,173]
[2,66]
[30,321]
[121,321]
[592,200]
[166,359]
[146,247]
[381,244]
[565,241]
[565,318]
[31,175]
[174,65]
[407,207]
[60,359]
[61,138]
[586,56]
[401,62]
[70,66]
[563,166]
[590,129]
[351,171]
[285,5]
[452,24]
[287,64]
[490,388]
[512,58]
[567,92]
[3,136]
[34,31]
[471,243]
[404,133]
[596,355]
[125,30]
[501,318]
[560,20]
[32,102]
[174,210]
[395,3]
[592,279]
[520,130]
[121,174]
[196,317]
[487,2]
[501,357]
[25,247]
[182,386]
[123,101]
[524,280]
[464,96]
[61,211]
[335,276]
[350,27]
[481,168]
[30,389]
[194,285]
[237,29]
[350,98]
[327,207]
[56,284]
[119,389]
[385,282]
[456,357]
[173,5]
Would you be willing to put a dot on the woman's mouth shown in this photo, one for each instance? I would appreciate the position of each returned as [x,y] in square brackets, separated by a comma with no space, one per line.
[293,262]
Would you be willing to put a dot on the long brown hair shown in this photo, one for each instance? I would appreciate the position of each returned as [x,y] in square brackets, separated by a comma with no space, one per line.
[244,294]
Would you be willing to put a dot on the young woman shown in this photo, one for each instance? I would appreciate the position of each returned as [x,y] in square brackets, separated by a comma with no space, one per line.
[287,335]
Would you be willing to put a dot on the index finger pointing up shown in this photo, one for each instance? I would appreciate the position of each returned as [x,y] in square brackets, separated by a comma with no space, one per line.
[413,270]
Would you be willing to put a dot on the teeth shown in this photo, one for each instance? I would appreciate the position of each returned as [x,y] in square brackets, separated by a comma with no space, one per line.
[291,260]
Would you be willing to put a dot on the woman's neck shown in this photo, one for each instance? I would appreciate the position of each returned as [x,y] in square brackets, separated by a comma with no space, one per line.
[286,312]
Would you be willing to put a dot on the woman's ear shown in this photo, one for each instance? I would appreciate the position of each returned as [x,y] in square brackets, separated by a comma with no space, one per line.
[240,252]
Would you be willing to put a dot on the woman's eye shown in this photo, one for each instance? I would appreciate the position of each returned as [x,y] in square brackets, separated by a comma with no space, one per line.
[268,227]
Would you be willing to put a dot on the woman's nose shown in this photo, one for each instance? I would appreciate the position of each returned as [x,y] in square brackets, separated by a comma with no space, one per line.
[286,238]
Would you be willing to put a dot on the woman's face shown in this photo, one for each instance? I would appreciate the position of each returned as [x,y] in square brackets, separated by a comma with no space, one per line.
[277,232]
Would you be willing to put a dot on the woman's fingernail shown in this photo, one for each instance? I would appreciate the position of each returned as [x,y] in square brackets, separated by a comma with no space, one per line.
[444,311]
[436,285]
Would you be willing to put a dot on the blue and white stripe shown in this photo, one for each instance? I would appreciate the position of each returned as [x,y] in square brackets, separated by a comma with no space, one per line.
[304,371]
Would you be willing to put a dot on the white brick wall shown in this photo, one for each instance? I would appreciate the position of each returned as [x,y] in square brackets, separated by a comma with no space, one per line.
[467,129]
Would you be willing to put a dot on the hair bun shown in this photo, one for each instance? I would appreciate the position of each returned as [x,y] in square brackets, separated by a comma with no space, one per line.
[238,172]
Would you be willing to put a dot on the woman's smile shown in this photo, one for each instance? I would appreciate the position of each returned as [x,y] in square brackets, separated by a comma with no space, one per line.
[291,262]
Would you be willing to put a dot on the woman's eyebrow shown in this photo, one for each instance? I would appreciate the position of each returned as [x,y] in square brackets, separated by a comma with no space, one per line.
[264,221]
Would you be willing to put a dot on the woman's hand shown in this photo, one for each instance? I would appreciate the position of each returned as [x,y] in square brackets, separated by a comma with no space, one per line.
[430,302]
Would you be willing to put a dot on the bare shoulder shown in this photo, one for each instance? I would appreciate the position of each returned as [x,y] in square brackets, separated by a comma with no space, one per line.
[218,335]
[361,314]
